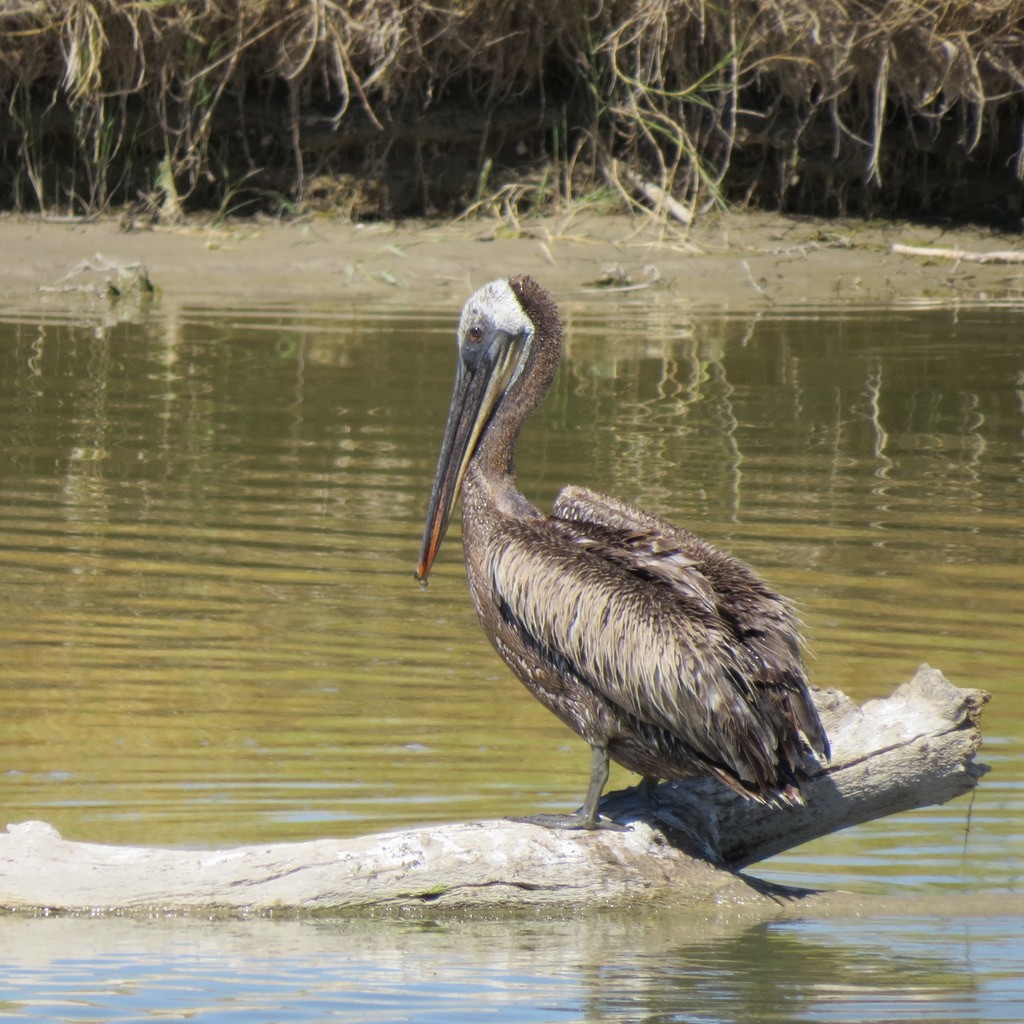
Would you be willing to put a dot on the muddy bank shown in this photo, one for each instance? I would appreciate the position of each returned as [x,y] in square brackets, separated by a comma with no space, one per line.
[744,262]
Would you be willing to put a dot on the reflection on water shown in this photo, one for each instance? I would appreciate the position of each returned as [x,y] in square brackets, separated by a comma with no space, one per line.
[678,968]
[210,633]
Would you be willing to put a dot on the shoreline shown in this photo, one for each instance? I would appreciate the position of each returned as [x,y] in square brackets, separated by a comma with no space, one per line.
[732,262]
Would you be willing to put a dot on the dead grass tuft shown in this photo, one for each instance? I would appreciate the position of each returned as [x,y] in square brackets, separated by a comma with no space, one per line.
[910,106]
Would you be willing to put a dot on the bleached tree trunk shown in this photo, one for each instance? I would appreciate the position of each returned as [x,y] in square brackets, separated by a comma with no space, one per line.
[912,749]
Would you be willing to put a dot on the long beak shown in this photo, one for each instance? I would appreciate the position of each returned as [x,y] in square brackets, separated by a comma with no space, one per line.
[479,383]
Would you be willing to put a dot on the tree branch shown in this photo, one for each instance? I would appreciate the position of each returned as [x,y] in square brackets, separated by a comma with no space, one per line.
[913,749]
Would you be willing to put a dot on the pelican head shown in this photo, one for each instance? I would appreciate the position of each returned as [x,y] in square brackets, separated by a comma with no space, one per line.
[504,364]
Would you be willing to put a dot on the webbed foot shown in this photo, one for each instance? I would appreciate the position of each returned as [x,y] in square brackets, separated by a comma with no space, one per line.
[586,818]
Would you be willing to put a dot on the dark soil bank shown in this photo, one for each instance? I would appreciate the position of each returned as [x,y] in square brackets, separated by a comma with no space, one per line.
[394,108]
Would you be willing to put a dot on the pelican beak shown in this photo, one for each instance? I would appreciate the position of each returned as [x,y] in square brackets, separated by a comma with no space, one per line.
[484,371]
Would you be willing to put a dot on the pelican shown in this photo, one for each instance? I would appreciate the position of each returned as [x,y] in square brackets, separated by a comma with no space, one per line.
[665,654]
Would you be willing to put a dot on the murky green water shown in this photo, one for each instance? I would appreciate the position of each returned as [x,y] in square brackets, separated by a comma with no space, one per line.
[210,635]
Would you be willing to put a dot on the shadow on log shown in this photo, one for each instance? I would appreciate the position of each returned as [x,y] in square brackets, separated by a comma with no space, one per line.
[912,749]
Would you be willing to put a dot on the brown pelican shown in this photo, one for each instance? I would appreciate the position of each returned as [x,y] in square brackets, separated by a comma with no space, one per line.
[664,653]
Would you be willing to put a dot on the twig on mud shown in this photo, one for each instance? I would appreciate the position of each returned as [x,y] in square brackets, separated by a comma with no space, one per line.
[122,279]
[804,248]
[615,279]
[960,255]
[758,285]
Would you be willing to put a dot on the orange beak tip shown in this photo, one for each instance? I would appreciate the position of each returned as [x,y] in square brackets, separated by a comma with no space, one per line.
[420,574]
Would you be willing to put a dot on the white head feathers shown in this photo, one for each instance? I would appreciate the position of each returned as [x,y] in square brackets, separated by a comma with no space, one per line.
[495,306]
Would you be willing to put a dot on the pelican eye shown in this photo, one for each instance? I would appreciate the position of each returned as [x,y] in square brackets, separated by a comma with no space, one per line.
[475,333]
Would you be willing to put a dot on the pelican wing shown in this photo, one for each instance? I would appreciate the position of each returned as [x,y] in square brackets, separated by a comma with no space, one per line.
[763,629]
[648,542]
[659,652]
[661,625]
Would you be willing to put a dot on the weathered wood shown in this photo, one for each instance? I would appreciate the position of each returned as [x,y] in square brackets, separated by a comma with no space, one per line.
[959,255]
[913,749]
[658,197]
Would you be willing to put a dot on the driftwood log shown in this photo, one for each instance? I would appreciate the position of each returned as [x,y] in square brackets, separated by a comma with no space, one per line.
[959,255]
[913,749]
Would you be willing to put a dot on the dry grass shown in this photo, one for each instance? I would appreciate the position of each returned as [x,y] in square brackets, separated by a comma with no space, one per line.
[407,106]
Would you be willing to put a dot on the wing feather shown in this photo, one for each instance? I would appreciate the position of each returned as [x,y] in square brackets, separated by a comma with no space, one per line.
[665,627]
[669,664]
[762,623]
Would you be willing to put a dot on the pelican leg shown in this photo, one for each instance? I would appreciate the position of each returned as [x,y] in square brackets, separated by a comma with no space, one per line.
[586,817]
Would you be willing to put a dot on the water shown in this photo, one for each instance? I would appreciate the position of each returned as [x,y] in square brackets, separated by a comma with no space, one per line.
[210,635]
[660,969]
